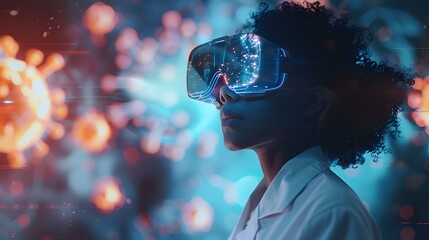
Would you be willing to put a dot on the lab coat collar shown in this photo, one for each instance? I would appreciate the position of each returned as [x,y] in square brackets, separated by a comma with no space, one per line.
[285,187]
[290,181]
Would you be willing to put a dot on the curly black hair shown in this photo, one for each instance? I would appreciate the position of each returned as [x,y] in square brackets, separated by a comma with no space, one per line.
[368,95]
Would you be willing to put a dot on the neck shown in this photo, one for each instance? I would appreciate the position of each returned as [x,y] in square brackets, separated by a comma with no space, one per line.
[272,158]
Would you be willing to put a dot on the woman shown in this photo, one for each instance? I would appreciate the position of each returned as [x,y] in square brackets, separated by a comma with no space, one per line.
[298,88]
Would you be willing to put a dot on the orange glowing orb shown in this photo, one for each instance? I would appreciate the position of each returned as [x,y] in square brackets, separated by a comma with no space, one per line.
[92,132]
[418,99]
[107,195]
[26,105]
[100,19]
[198,215]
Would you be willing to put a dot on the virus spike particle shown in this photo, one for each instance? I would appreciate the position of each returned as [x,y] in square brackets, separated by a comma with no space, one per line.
[25,104]
[107,195]
[16,160]
[100,19]
[34,57]
[8,46]
[53,63]
[91,131]
[41,149]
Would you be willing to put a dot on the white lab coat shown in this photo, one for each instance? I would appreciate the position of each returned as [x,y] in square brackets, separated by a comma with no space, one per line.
[306,200]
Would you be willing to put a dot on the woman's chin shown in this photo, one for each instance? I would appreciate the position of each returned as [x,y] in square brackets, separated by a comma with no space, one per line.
[233,145]
[232,148]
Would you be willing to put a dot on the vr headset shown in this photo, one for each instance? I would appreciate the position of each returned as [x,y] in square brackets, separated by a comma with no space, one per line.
[246,63]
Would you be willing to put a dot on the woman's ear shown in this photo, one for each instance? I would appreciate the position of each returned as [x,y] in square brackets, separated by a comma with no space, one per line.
[319,102]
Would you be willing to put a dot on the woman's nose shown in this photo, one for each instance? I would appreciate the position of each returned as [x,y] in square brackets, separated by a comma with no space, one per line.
[227,95]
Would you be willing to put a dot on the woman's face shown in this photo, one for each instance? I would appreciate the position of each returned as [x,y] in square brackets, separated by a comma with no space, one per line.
[275,119]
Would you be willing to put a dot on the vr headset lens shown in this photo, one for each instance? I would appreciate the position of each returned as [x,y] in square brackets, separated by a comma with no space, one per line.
[246,63]
[241,62]
[203,76]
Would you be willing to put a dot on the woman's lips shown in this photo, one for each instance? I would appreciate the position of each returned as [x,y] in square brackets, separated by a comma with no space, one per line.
[230,118]
[230,122]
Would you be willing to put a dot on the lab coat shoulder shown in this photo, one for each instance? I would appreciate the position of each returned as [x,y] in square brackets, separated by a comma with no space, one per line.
[328,191]
[326,209]
[340,223]
[338,213]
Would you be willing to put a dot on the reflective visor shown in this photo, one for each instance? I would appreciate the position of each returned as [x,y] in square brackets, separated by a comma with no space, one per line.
[246,63]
